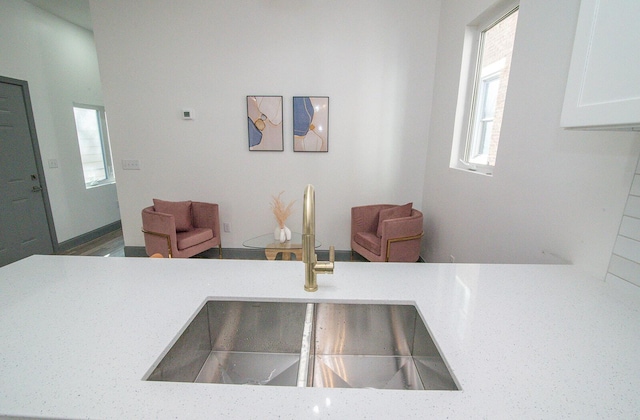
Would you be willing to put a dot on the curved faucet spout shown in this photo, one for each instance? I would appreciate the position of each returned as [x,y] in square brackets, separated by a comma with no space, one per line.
[309,257]
[309,211]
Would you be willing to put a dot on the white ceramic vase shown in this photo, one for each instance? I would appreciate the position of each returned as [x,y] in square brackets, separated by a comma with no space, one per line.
[282,235]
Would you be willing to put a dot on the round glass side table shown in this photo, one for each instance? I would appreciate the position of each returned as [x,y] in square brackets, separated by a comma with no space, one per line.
[273,247]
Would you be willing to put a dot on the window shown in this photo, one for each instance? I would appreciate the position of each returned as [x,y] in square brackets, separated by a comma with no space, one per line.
[483,89]
[484,118]
[93,139]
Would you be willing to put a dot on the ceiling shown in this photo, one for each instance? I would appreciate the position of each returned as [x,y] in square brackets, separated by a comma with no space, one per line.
[74,11]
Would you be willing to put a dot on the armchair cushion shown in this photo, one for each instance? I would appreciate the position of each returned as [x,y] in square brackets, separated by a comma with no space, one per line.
[369,241]
[181,211]
[393,213]
[193,237]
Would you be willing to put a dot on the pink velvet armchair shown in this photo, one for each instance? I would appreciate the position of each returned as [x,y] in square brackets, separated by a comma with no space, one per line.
[181,229]
[384,232]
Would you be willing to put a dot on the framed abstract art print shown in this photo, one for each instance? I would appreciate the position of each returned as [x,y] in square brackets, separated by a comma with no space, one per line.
[310,123]
[264,118]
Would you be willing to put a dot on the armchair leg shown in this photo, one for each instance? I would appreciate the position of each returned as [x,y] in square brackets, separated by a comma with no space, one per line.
[220,251]
[161,235]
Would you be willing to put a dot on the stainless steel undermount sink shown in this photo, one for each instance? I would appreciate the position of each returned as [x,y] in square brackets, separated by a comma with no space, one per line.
[331,345]
[237,342]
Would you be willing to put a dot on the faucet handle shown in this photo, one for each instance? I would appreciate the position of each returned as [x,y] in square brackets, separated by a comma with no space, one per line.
[326,267]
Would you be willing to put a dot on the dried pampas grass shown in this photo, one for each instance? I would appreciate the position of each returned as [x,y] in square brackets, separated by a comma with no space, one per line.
[279,210]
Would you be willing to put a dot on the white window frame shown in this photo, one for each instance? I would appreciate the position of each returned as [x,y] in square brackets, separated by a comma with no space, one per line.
[470,88]
[109,177]
[476,138]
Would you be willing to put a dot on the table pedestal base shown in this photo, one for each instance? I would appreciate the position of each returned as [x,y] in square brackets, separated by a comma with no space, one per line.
[271,253]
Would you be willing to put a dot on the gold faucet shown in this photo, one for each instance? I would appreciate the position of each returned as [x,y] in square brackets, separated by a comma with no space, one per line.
[312,266]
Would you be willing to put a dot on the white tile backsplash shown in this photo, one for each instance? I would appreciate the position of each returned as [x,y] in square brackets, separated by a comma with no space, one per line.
[635,187]
[633,207]
[630,228]
[625,260]
[625,269]
[627,248]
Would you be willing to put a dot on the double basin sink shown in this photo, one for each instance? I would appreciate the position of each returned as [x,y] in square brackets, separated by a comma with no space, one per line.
[330,345]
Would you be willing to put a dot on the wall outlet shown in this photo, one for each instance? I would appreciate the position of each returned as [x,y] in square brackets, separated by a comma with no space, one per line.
[452,258]
[227,227]
[131,164]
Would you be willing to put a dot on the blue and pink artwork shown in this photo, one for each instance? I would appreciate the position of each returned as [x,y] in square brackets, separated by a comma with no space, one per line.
[264,119]
[310,124]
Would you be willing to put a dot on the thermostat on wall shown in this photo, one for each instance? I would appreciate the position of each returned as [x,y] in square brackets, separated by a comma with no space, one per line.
[187,114]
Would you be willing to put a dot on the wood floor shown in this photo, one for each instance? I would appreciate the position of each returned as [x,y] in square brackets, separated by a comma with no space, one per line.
[109,245]
[112,245]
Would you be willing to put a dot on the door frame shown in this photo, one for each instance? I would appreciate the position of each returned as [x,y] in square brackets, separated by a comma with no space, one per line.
[37,157]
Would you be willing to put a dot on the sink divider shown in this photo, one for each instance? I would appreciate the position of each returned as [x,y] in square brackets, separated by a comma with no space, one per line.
[305,349]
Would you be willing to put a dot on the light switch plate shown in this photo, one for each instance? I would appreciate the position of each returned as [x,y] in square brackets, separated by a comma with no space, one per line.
[131,164]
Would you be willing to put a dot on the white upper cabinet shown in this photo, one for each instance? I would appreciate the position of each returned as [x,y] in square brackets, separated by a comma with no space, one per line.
[603,88]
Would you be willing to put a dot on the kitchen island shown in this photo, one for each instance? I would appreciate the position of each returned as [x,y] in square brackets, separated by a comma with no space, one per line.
[79,335]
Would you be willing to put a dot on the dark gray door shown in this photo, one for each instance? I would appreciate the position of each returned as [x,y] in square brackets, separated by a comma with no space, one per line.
[24,223]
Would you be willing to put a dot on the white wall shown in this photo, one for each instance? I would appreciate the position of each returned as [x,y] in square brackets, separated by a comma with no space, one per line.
[59,62]
[555,194]
[373,58]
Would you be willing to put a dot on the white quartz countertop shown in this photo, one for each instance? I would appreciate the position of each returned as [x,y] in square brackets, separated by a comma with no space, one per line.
[79,334]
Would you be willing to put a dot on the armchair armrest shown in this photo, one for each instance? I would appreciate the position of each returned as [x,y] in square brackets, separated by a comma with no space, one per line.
[160,225]
[402,230]
[205,215]
[402,227]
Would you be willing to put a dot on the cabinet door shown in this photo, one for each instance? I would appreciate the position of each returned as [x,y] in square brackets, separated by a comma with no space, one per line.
[603,88]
